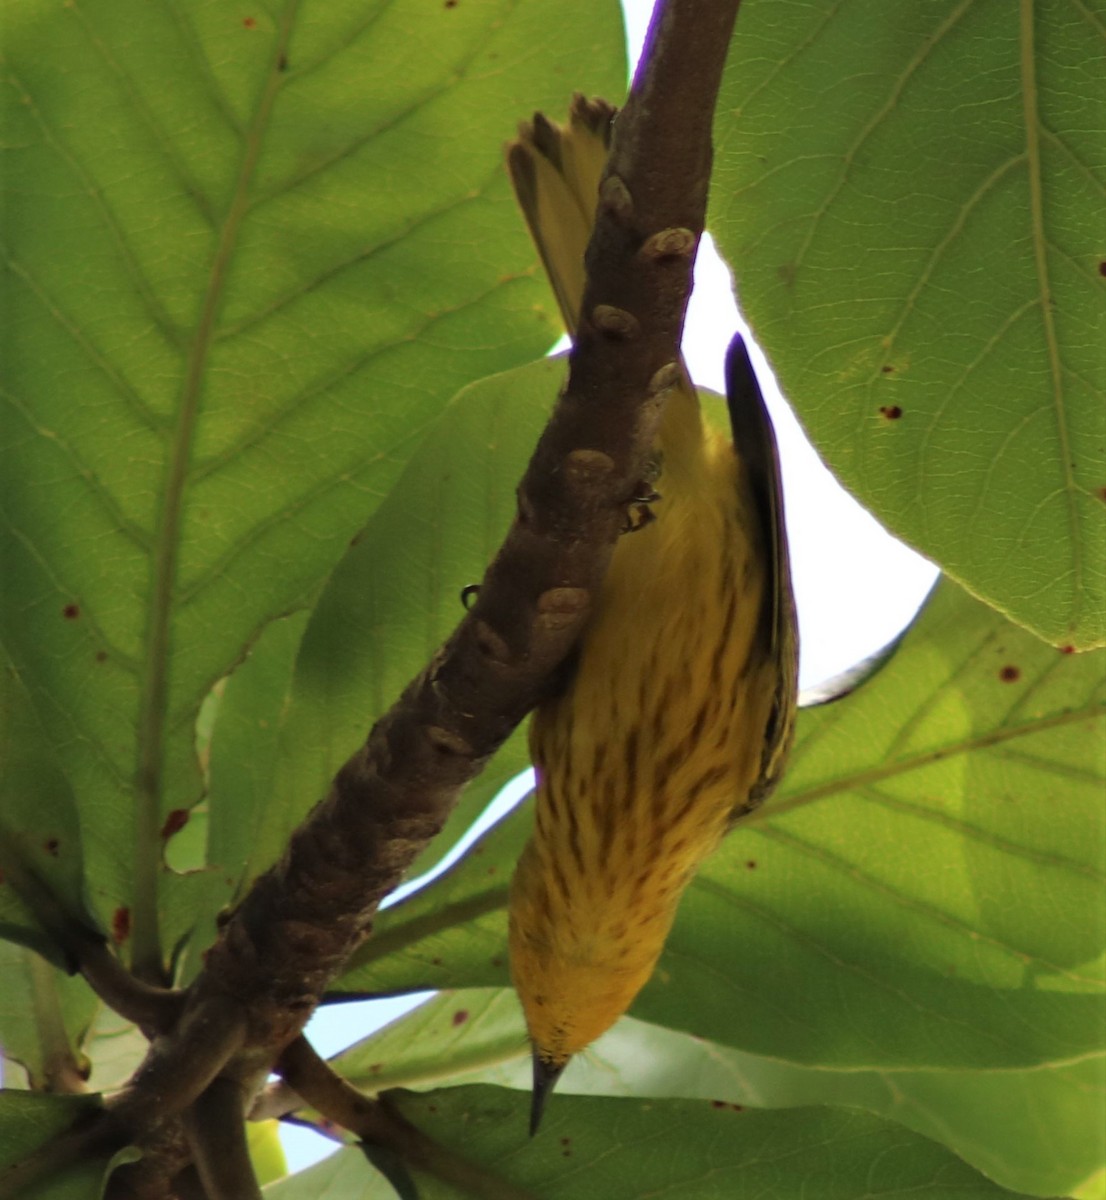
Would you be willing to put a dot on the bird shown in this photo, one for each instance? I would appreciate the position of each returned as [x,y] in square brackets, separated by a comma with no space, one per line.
[676,714]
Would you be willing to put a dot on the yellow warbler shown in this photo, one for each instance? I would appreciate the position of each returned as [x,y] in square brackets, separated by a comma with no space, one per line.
[678,713]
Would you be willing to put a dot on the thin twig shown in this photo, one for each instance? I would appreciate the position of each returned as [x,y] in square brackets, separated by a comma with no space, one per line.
[217,1134]
[85,949]
[97,1136]
[299,923]
[376,1122]
[152,1009]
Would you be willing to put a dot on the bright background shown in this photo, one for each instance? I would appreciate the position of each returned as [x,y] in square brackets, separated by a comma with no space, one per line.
[856,587]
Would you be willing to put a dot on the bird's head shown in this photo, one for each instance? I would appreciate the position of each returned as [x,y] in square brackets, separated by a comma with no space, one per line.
[573,983]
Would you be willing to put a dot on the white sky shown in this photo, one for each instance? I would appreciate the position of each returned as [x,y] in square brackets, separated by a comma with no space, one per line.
[856,587]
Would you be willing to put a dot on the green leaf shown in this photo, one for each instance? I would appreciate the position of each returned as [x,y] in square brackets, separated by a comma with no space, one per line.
[453,1035]
[633,1148]
[243,826]
[29,1122]
[911,197]
[41,860]
[247,261]
[345,1175]
[1040,1131]
[613,1148]
[391,602]
[923,891]
[54,1027]
[114,1047]
[924,888]
[266,1152]
[44,1016]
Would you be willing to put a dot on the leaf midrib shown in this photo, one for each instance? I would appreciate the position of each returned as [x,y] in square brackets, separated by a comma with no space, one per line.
[852,780]
[1040,258]
[150,750]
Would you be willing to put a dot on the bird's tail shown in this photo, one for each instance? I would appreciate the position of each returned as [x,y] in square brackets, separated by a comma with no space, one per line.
[555,170]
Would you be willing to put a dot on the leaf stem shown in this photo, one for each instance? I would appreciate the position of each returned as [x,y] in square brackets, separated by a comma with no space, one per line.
[216,1129]
[378,1124]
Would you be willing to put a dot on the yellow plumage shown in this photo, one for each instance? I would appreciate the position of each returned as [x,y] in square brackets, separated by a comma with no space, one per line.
[678,712]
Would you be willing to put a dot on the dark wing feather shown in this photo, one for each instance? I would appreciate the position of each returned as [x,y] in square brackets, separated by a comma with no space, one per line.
[755,443]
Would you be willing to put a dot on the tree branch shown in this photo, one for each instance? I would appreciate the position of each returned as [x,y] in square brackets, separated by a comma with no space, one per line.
[181,1065]
[296,927]
[301,920]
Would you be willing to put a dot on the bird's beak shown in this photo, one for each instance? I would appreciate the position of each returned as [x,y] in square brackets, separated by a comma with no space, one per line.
[546,1074]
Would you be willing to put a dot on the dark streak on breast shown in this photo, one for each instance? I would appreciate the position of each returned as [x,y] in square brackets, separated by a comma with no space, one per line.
[607,819]
[630,755]
[574,838]
[560,880]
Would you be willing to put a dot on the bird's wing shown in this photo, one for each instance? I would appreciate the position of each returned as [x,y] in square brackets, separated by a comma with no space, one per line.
[755,441]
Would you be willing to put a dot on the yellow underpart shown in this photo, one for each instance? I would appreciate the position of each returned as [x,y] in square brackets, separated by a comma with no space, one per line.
[644,760]
[647,757]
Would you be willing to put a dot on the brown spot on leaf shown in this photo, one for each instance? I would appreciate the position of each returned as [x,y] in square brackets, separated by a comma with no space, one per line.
[887,368]
[249,22]
[121,924]
[174,823]
[460,1016]
[891,412]
[51,846]
[751,864]
[1010,674]
[1067,649]
[101,656]
[71,612]
[1102,267]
